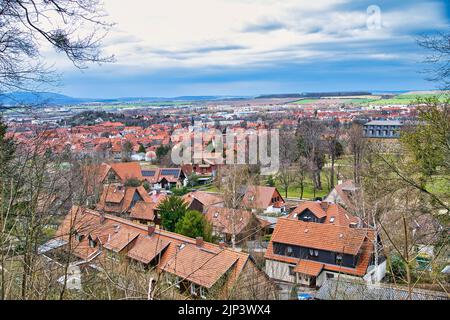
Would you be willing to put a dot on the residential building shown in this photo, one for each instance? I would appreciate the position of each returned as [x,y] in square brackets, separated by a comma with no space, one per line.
[389,129]
[194,268]
[324,212]
[120,200]
[235,225]
[202,201]
[344,194]
[307,253]
[262,198]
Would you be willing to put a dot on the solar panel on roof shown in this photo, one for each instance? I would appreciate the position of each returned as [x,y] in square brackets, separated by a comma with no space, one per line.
[170,172]
[147,173]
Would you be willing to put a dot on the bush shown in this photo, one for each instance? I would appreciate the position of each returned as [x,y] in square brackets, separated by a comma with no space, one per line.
[172,209]
[180,191]
[132,183]
[194,224]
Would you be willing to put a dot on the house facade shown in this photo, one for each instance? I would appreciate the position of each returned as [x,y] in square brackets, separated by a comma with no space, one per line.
[307,253]
[319,241]
[388,129]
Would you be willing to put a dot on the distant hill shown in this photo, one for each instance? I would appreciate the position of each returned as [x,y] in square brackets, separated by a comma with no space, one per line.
[39,99]
[280,96]
[335,94]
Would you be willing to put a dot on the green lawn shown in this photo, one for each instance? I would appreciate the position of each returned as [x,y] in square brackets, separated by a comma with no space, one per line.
[306,101]
[402,99]
[308,191]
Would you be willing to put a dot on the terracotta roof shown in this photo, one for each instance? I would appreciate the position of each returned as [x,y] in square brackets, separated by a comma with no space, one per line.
[334,213]
[114,193]
[311,268]
[147,248]
[158,198]
[143,211]
[260,197]
[200,265]
[322,237]
[313,206]
[319,236]
[228,221]
[203,265]
[117,199]
[206,198]
[124,170]
[155,175]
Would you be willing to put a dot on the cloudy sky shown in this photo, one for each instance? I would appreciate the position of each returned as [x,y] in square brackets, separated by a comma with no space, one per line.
[249,47]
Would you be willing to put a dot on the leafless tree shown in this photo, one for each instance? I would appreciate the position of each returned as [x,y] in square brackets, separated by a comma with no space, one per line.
[311,147]
[356,146]
[333,147]
[439,57]
[73,27]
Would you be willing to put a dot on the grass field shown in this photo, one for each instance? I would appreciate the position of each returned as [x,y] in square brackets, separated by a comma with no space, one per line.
[293,191]
[402,99]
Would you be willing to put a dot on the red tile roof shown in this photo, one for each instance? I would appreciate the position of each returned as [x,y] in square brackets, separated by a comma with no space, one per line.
[227,220]
[143,211]
[147,248]
[260,197]
[206,198]
[319,236]
[334,213]
[117,199]
[203,265]
[311,268]
[324,237]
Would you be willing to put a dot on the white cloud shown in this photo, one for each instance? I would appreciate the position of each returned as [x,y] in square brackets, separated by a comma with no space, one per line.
[154,34]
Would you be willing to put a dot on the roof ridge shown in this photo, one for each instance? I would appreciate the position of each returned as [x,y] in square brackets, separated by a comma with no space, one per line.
[159,231]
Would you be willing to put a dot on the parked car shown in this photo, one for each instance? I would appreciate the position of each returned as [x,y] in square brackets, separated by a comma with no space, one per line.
[304,296]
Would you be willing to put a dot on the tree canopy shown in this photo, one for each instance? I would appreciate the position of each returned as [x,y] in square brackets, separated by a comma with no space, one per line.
[172,209]
[194,224]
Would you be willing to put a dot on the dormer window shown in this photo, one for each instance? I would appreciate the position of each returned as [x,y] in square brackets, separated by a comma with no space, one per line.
[78,236]
[331,219]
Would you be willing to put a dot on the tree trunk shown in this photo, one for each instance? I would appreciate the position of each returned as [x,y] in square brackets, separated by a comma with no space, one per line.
[332,173]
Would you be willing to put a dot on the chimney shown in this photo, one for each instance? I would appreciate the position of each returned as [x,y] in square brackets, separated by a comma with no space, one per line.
[324,205]
[102,218]
[222,245]
[150,230]
[199,241]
